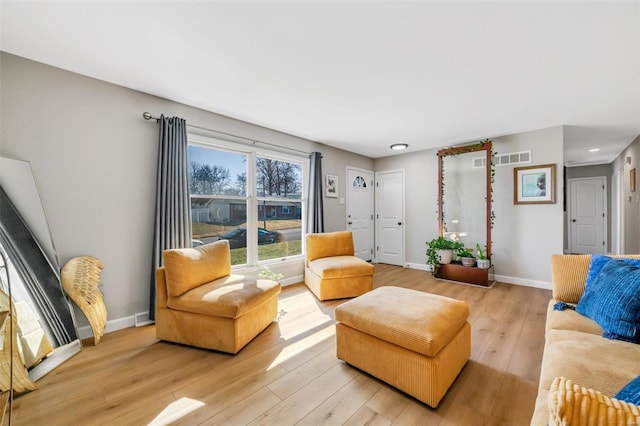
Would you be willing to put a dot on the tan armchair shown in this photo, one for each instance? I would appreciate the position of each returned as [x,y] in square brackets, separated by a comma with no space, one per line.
[331,269]
[200,303]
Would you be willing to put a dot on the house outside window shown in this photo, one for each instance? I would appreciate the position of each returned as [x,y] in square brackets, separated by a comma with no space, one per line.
[252,199]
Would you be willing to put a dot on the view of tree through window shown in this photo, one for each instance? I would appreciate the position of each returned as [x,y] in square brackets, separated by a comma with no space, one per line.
[279,207]
[220,200]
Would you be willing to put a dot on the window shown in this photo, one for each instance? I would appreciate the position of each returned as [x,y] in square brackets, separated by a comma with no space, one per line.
[279,188]
[252,199]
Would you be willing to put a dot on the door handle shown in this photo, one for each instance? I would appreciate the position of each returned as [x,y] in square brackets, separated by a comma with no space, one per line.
[573,220]
[399,223]
[350,223]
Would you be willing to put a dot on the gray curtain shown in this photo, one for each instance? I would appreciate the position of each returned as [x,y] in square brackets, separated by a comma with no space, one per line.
[173,208]
[315,213]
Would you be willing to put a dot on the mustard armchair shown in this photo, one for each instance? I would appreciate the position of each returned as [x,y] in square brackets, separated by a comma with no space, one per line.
[331,269]
[200,303]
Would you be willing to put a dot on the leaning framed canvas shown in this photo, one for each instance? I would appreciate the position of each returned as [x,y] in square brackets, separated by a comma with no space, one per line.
[534,184]
[331,186]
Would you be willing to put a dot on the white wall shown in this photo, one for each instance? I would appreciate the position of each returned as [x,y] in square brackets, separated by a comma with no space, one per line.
[94,159]
[524,236]
[630,200]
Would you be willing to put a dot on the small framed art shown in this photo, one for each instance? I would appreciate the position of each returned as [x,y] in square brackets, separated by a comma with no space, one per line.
[534,184]
[331,186]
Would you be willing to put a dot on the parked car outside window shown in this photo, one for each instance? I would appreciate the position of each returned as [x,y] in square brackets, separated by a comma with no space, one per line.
[238,237]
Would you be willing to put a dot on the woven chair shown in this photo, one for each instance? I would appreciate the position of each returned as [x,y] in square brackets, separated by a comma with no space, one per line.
[80,277]
[8,352]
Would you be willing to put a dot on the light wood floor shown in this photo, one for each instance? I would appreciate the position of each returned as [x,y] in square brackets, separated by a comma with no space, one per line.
[290,375]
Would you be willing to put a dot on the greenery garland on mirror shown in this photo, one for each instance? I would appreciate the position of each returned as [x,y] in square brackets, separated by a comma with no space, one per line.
[473,148]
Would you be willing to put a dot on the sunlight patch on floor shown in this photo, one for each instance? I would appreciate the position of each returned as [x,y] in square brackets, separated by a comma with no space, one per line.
[176,410]
[302,345]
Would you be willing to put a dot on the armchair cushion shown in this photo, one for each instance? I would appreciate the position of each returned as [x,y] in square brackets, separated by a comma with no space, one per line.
[191,267]
[229,297]
[329,244]
[341,267]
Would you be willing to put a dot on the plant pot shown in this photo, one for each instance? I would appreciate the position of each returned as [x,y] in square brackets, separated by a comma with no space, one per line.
[484,263]
[468,261]
[445,256]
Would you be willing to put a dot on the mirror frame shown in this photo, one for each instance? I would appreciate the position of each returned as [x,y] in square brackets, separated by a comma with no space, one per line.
[481,146]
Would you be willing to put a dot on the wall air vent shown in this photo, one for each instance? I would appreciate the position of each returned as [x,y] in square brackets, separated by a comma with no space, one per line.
[511,158]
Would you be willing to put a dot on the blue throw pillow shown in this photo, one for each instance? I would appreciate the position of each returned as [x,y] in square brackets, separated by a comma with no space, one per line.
[597,263]
[613,301]
[631,392]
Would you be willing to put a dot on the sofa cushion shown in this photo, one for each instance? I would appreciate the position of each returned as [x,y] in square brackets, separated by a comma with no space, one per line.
[190,267]
[341,267]
[229,297]
[569,319]
[572,404]
[329,244]
[597,263]
[631,392]
[588,359]
[613,301]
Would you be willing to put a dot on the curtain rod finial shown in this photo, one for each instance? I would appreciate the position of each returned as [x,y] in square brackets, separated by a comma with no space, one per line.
[148,116]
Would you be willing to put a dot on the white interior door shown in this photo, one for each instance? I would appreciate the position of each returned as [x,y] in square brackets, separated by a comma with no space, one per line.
[390,217]
[360,211]
[587,215]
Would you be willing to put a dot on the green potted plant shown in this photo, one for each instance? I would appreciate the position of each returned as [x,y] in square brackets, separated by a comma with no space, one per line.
[440,251]
[466,256]
[482,260]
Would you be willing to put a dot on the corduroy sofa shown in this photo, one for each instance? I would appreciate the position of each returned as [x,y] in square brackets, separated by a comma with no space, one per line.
[597,368]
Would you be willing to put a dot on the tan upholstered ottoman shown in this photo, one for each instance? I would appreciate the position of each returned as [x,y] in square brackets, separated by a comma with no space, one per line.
[417,342]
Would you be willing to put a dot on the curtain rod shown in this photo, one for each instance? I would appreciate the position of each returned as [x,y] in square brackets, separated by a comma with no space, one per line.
[149,116]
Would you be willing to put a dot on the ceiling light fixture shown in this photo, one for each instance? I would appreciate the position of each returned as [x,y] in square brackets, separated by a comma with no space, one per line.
[594,150]
[399,146]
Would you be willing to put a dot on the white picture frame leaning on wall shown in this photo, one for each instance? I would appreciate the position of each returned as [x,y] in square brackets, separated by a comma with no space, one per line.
[331,186]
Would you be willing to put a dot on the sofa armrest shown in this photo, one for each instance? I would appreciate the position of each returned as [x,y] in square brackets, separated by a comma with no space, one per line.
[568,276]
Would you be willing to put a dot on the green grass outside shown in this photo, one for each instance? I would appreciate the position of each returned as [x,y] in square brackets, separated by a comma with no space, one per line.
[268,251]
[201,230]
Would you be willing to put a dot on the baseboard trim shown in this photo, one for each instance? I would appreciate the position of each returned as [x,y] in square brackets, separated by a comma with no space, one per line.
[113,325]
[292,280]
[523,282]
[420,266]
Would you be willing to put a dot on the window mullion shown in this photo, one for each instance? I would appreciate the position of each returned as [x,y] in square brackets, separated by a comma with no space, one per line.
[252,211]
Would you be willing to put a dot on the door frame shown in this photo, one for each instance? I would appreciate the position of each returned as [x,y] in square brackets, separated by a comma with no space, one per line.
[372,207]
[404,222]
[605,233]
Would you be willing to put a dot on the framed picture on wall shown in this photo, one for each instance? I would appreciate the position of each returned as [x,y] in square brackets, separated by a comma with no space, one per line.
[534,184]
[331,186]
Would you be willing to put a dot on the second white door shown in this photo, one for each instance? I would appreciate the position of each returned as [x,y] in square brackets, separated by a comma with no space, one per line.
[390,217]
[587,215]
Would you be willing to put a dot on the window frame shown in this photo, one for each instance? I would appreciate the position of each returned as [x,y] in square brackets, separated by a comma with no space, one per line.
[251,197]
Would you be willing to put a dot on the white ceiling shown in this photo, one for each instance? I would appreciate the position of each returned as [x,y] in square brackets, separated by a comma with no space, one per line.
[362,75]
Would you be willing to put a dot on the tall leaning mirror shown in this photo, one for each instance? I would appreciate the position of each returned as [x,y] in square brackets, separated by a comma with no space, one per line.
[46,331]
[464,206]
